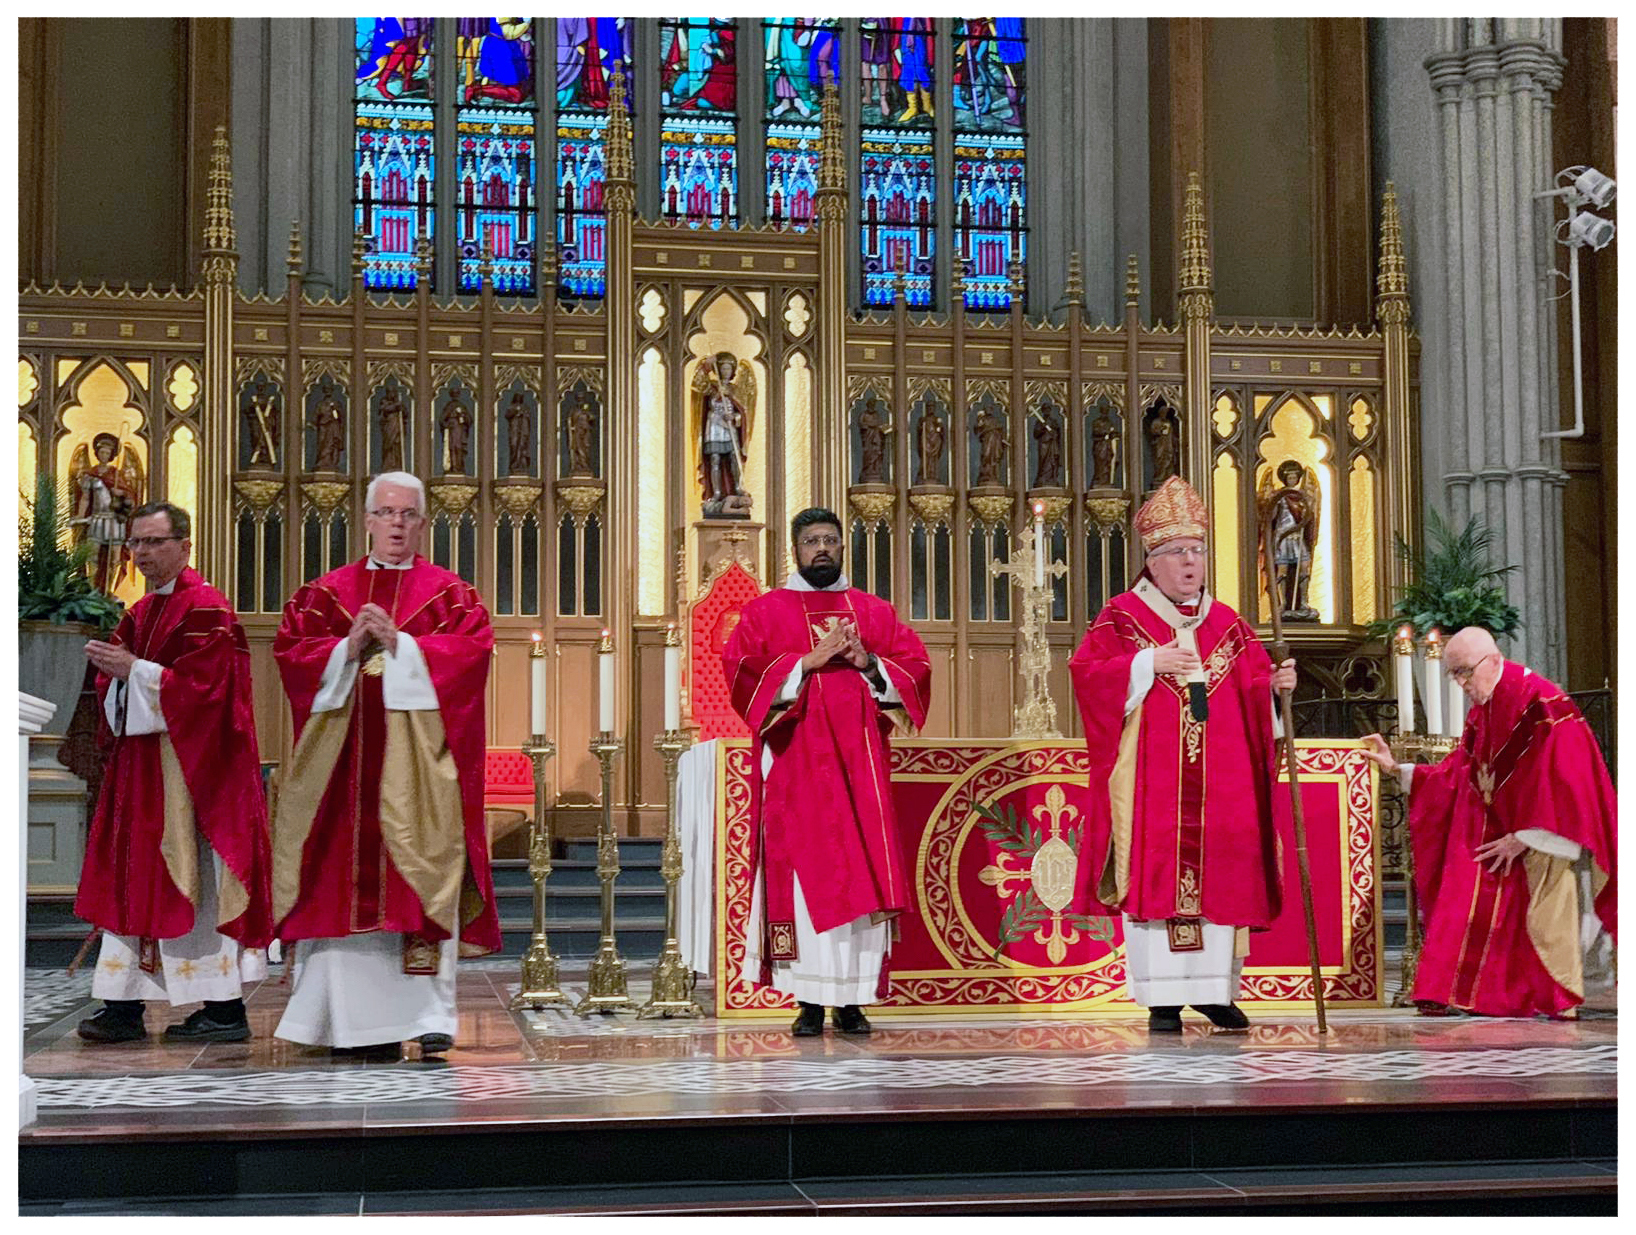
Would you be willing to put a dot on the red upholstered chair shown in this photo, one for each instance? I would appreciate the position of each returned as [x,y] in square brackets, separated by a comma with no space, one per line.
[710,621]
[508,790]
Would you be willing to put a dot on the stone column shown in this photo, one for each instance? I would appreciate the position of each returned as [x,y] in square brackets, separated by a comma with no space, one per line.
[1493,80]
[829,436]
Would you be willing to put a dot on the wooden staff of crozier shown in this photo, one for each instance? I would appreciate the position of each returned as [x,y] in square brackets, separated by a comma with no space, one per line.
[1280,653]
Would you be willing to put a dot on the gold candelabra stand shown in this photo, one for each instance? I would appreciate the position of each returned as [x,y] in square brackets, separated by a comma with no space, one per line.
[1035,718]
[672,979]
[541,982]
[1414,748]
[606,991]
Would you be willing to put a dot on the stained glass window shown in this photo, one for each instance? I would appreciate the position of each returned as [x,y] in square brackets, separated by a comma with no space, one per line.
[898,184]
[496,163]
[990,83]
[587,50]
[393,167]
[803,55]
[698,136]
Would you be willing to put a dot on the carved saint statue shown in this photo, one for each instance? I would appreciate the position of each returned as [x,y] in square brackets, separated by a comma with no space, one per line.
[723,417]
[519,437]
[872,430]
[581,420]
[392,415]
[1048,451]
[329,432]
[931,435]
[456,434]
[1104,444]
[262,425]
[1161,446]
[1291,504]
[991,444]
[104,493]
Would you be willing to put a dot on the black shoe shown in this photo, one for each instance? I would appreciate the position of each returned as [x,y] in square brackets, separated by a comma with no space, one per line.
[380,1052]
[809,1022]
[851,1020]
[1164,1020]
[218,1021]
[434,1043]
[119,1020]
[1223,1015]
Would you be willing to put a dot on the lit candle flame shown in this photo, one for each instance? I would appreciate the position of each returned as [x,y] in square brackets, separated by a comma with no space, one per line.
[1403,632]
[537,636]
[1039,509]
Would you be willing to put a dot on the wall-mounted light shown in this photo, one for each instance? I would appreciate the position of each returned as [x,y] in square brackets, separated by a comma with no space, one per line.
[1579,186]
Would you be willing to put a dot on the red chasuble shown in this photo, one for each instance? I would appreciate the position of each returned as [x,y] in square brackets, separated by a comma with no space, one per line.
[1181,823]
[1508,944]
[825,812]
[380,823]
[202,776]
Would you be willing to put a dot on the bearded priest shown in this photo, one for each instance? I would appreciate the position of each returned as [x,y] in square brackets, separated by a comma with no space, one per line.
[820,670]
[380,855]
[1177,698]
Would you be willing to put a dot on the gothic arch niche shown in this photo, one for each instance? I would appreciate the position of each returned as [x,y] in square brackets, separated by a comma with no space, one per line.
[797,433]
[653,495]
[1295,429]
[579,443]
[930,443]
[1162,441]
[391,424]
[1104,439]
[260,420]
[873,424]
[728,321]
[454,424]
[103,460]
[326,425]
[517,431]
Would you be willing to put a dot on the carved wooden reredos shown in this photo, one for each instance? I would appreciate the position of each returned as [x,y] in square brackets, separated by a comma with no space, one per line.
[555,443]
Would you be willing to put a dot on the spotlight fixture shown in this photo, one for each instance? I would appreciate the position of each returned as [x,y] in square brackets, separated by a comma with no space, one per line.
[1579,186]
[1590,229]
[1595,188]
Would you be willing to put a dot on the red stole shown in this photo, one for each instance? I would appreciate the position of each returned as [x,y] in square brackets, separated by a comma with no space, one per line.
[348,883]
[205,697]
[1526,759]
[825,811]
[1197,794]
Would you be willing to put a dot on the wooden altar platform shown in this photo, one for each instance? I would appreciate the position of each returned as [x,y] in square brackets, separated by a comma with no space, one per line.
[551,1113]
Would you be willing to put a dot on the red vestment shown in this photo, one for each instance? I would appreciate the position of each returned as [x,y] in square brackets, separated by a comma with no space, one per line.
[335,873]
[1507,944]
[825,811]
[1181,822]
[126,885]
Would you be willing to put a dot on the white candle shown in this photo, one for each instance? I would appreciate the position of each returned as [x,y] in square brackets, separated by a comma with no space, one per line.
[1455,719]
[1403,662]
[673,679]
[1434,682]
[605,659]
[1039,544]
[536,683]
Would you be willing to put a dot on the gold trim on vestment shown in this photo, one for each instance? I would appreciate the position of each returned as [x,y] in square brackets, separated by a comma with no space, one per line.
[179,843]
[1122,803]
[311,766]
[1553,919]
[423,825]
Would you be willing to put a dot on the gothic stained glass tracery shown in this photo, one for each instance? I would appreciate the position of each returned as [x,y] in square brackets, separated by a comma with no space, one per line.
[989,81]
[803,55]
[698,137]
[393,152]
[896,190]
[587,50]
[496,164]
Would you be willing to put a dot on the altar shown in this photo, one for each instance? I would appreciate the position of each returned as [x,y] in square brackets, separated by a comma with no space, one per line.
[993,832]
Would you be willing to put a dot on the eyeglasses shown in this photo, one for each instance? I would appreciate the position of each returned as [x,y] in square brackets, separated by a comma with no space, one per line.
[819,542]
[145,542]
[1180,551]
[391,514]
[1464,675]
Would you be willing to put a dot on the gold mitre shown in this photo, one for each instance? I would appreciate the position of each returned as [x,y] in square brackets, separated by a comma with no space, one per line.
[1176,510]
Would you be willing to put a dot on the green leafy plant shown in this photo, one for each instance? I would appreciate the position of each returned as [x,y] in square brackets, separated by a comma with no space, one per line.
[1451,583]
[52,585]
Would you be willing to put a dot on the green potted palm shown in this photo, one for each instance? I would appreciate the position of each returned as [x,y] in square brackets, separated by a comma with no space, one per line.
[58,607]
[1451,584]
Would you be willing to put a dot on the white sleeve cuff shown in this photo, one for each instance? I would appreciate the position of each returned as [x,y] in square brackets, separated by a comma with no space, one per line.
[788,692]
[1549,842]
[142,711]
[335,687]
[1277,719]
[1141,679]
[406,683]
[887,694]
[1405,776]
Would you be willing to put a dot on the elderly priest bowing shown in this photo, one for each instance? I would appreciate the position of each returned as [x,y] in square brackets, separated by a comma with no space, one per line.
[380,858]
[819,669]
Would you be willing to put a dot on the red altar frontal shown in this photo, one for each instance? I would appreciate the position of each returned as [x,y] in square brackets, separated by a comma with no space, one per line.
[994,828]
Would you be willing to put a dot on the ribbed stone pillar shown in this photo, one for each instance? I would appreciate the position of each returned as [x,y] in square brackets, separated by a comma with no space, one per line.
[1492,80]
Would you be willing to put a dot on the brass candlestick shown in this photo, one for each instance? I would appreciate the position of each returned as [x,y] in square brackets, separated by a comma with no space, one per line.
[671,976]
[1405,748]
[541,984]
[607,991]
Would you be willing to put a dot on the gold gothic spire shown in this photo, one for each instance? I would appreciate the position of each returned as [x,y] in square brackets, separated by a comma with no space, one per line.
[832,166]
[1074,290]
[295,246]
[1133,280]
[1195,272]
[618,150]
[1392,283]
[219,237]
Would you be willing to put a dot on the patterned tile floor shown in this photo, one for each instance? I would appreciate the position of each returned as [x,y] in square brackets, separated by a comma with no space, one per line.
[555,1065]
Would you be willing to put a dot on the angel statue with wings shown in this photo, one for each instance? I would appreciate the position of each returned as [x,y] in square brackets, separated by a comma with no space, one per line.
[105,492]
[1290,502]
[723,419]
